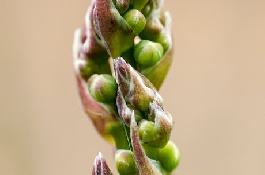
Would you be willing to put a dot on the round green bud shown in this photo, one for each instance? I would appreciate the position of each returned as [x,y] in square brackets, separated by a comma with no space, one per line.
[152,134]
[147,132]
[125,163]
[169,156]
[102,88]
[136,20]
[148,53]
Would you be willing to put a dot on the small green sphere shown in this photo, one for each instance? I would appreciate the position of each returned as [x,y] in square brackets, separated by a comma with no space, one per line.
[147,131]
[148,53]
[136,20]
[169,156]
[102,88]
[125,163]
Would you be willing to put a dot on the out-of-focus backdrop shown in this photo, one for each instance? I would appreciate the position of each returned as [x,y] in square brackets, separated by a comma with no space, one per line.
[215,89]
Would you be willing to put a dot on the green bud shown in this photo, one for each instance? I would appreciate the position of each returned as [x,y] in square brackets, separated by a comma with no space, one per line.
[148,53]
[125,163]
[169,156]
[136,20]
[102,88]
[157,73]
[147,131]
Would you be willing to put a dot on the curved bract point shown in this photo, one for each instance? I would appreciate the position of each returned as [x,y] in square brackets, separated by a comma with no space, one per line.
[111,27]
[92,46]
[100,166]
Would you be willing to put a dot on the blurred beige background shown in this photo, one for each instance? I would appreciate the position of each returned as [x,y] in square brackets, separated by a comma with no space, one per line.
[215,89]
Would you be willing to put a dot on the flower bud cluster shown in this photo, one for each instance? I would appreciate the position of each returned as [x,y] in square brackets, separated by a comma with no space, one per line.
[153,124]
[121,56]
[139,27]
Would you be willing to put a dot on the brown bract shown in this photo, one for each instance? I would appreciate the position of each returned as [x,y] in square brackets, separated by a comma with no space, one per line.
[110,26]
[93,47]
[123,110]
[163,124]
[100,114]
[135,88]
